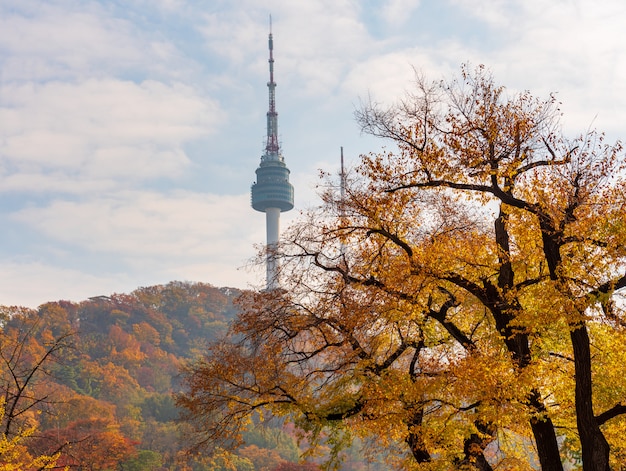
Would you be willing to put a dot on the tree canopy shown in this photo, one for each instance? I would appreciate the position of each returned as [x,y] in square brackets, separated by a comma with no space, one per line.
[457,304]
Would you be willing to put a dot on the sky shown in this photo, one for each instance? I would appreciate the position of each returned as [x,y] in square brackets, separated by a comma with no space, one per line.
[130,130]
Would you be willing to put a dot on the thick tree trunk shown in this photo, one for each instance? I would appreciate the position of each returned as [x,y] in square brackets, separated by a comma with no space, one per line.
[545,437]
[595,448]
[416,445]
[518,344]
[541,426]
[414,438]
[474,448]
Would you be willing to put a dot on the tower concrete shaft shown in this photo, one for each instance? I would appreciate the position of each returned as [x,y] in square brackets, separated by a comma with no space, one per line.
[272,193]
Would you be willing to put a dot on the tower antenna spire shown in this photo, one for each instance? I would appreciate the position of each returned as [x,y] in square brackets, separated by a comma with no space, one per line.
[272,147]
[272,193]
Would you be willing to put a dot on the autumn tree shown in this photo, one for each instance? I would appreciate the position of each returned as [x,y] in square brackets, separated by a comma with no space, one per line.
[557,239]
[88,445]
[28,352]
[459,300]
[16,456]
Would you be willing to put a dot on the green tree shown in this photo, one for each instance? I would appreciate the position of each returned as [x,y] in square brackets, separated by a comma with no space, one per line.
[161,407]
[145,460]
[449,301]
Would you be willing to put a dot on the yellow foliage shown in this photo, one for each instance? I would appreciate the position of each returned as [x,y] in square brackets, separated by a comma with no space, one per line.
[14,455]
[440,308]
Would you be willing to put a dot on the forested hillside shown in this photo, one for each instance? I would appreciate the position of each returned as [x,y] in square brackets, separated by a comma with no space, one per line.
[94,382]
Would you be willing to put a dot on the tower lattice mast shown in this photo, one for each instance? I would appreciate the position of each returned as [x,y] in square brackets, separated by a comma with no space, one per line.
[272,147]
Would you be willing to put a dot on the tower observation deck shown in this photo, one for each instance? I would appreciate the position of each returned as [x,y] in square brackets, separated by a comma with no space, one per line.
[272,193]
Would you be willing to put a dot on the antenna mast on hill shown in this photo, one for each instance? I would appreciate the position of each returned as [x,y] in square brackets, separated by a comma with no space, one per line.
[342,197]
[342,182]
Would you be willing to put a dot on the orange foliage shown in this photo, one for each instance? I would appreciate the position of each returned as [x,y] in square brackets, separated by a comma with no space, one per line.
[446,303]
[263,459]
[88,445]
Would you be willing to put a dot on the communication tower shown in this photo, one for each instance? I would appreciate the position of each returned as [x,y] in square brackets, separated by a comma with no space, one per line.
[272,193]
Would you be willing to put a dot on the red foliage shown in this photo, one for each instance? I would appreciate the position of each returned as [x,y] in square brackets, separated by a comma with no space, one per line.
[87,445]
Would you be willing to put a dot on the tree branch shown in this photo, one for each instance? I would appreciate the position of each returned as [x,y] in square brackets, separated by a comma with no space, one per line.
[613,412]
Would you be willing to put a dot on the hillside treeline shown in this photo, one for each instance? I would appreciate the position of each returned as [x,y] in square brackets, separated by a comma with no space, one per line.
[91,384]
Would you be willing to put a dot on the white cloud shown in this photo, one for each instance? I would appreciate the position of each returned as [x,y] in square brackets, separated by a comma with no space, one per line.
[385,77]
[571,48]
[398,12]
[568,47]
[151,237]
[169,6]
[102,128]
[139,162]
[32,283]
[34,182]
[494,13]
[144,227]
[315,43]
[61,39]
[137,222]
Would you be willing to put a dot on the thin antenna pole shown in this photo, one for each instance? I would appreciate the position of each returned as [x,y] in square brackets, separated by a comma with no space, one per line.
[342,196]
[342,183]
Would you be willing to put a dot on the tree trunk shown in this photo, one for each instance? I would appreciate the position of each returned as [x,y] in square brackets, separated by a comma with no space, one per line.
[416,445]
[545,437]
[414,438]
[474,448]
[595,448]
[519,346]
[542,427]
